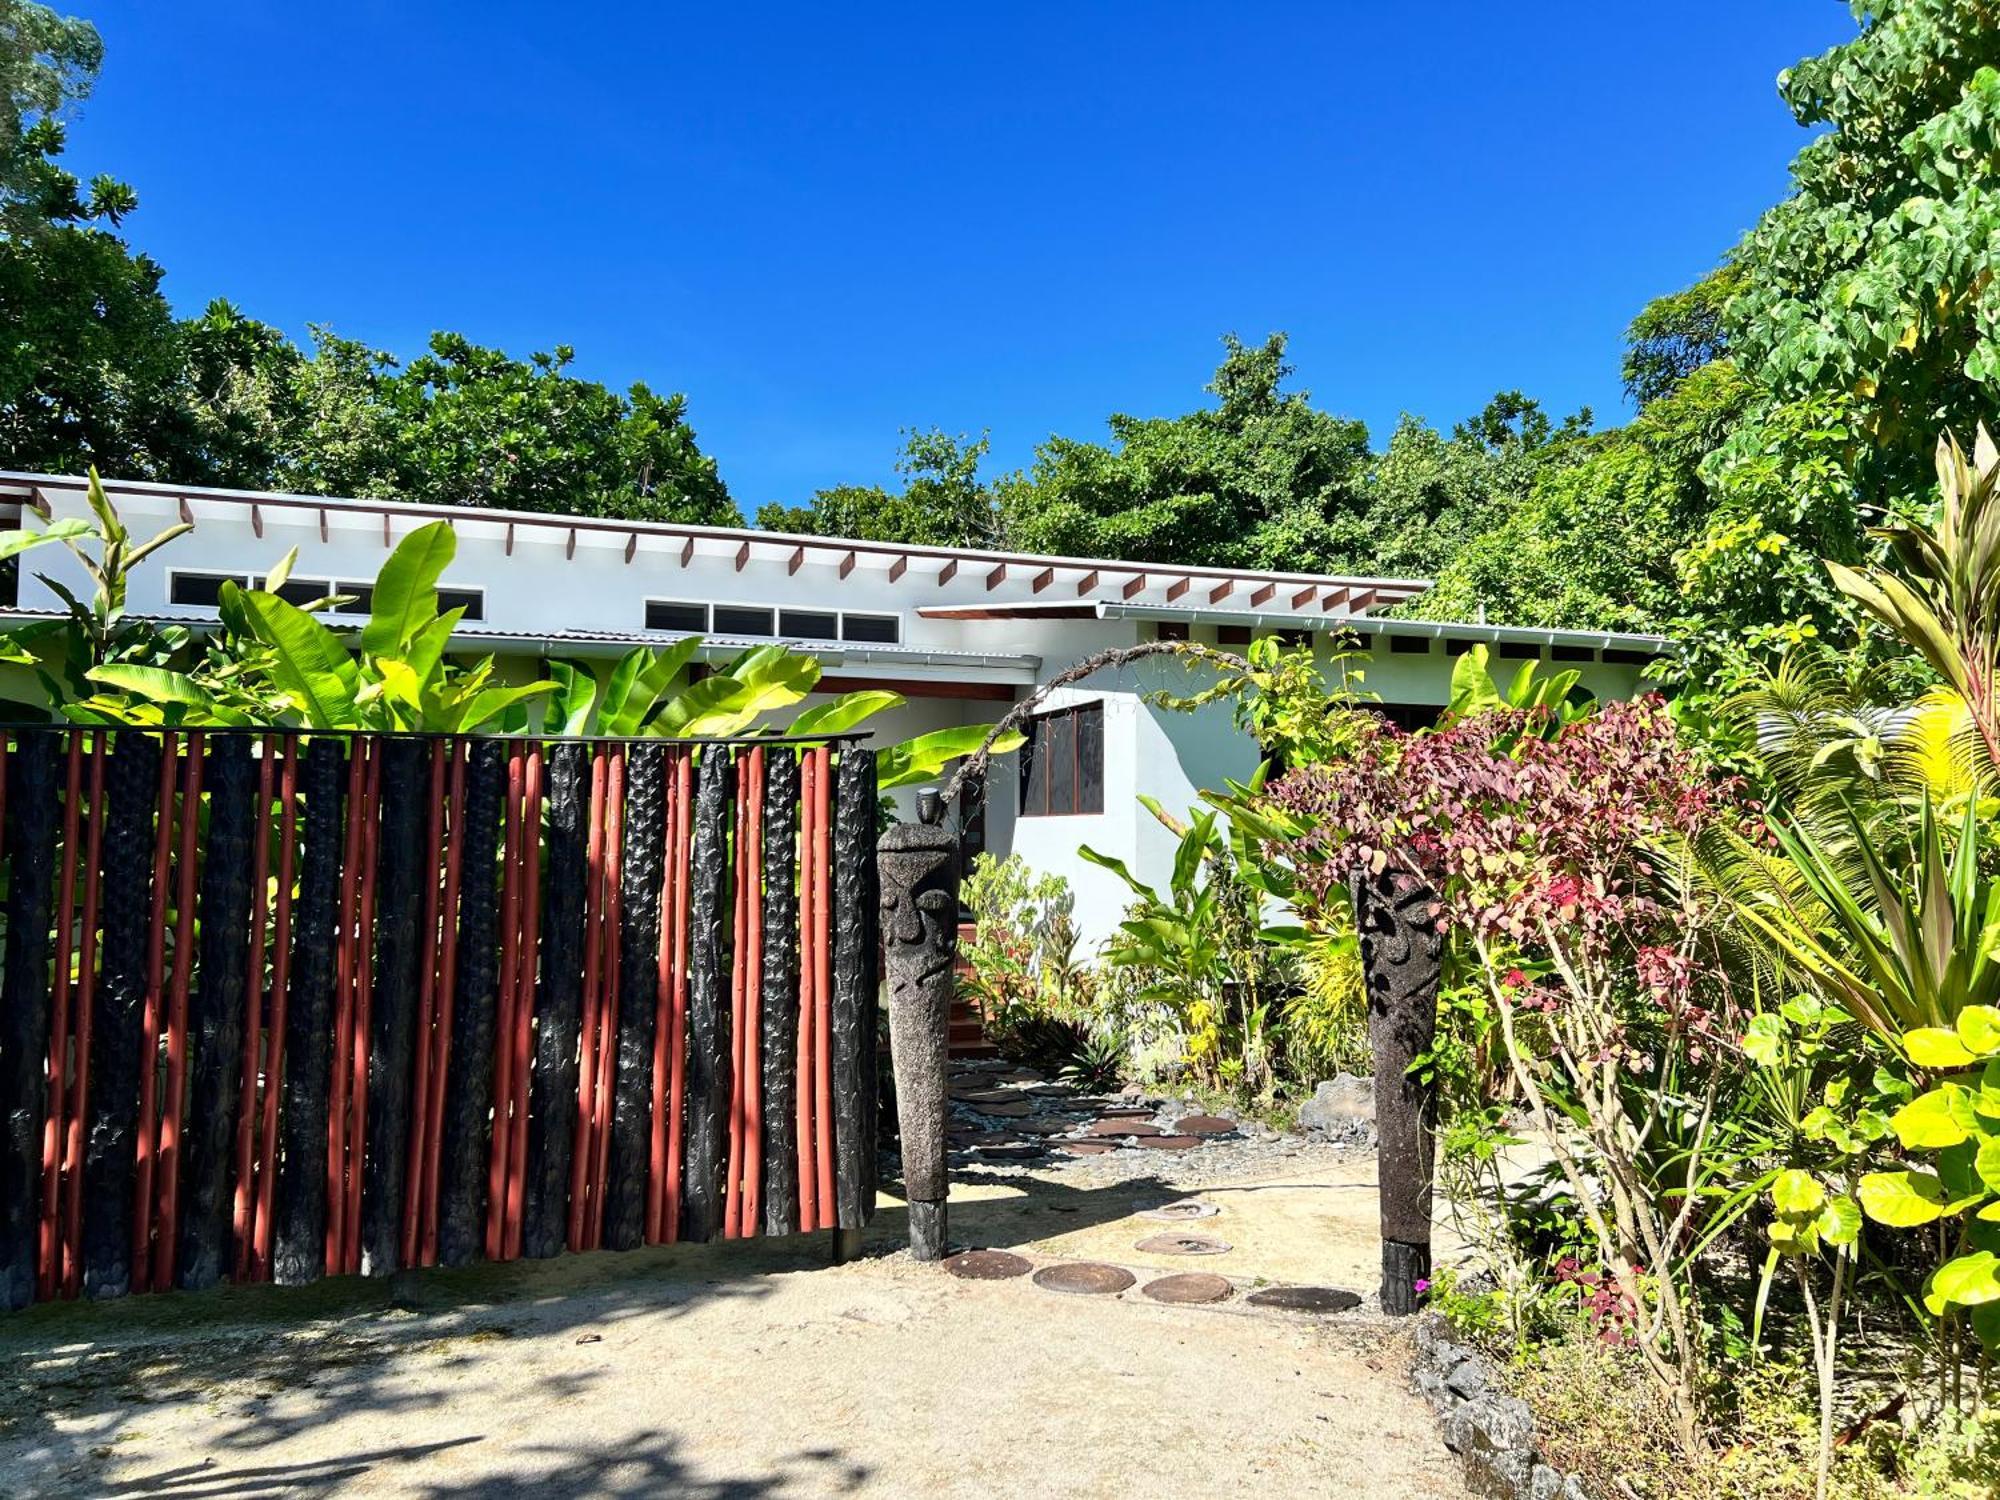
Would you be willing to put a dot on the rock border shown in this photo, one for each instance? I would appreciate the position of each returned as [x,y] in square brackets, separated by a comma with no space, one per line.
[1492,1433]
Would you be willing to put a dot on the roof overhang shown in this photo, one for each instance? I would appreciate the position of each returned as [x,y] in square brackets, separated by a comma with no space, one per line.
[673,544]
[1268,620]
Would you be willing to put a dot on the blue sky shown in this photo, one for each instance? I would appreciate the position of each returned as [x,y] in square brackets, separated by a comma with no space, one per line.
[825,223]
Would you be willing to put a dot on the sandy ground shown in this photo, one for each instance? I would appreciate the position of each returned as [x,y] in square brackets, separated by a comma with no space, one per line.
[748,1371]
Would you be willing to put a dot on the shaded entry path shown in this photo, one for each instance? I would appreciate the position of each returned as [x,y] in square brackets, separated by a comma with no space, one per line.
[754,1370]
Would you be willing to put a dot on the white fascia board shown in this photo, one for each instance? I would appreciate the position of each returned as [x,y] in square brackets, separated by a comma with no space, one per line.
[1455,630]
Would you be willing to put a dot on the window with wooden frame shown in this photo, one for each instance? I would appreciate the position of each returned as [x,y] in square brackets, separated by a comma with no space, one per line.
[1062,763]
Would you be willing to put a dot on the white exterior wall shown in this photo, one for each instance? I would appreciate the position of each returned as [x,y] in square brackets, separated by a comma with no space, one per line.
[554,582]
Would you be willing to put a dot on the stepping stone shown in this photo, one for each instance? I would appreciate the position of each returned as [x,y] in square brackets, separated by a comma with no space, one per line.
[1190,1288]
[1006,1109]
[1158,1142]
[1085,1148]
[986,1265]
[1125,1111]
[1051,1091]
[1306,1299]
[1182,1244]
[1022,1075]
[1012,1151]
[1084,1278]
[1178,1212]
[1124,1127]
[1044,1125]
[982,1095]
[1204,1125]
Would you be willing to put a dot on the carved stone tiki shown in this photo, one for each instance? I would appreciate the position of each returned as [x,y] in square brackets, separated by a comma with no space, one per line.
[918,865]
[1401,950]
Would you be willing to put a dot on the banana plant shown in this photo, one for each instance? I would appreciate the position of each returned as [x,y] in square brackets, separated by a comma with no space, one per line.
[1474,690]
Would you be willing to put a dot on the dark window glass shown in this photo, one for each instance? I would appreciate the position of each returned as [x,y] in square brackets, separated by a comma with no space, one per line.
[1571,653]
[1458,648]
[304,591]
[1062,764]
[1349,641]
[734,619]
[664,614]
[1617,656]
[1232,635]
[1521,650]
[360,598]
[1034,794]
[882,629]
[1061,757]
[811,624]
[202,590]
[1410,645]
[473,601]
[1409,715]
[1170,630]
[1090,758]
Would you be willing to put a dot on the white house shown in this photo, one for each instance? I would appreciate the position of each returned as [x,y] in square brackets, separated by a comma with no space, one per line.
[959,633]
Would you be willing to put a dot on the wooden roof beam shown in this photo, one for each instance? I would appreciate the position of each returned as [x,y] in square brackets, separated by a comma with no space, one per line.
[1133,585]
[631,547]
[570,549]
[742,556]
[1262,596]
[1178,587]
[797,561]
[948,572]
[1333,599]
[997,577]
[1302,597]
[1044,578]
[687,552]
[1086,583]
[847,564]
[187,513]
[1222,591]
[899,567]
[322,529]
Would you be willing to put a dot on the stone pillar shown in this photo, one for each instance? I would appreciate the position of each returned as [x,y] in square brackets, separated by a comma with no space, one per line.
[917,865]
[1401,951]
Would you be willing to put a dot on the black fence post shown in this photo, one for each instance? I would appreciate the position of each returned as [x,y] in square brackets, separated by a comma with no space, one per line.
[918,870]
[1402,950]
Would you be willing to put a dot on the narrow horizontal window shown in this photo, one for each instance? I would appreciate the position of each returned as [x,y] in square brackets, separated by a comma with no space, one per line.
[472,601]
[671,614]
[1170,630]
[809,624]
[360,597]
[304,591]
[1232,635]
[882,629]
[1618,656]
[1521,650]
[1409,645]
[735,619]
[200,590]
[1459,647]
[1571,653]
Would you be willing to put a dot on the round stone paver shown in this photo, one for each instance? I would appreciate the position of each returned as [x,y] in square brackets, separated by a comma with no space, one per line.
[987,1265]
[1203,1125]
[1158,1142]
[1117,1126]
[1188,1289]
[1177,1212]
[1306,1299]
[1182,1244]
[1084,1278]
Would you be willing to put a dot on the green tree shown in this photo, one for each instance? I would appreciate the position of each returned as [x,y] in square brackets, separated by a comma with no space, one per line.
[88,353]
[943,502]
[1262,479]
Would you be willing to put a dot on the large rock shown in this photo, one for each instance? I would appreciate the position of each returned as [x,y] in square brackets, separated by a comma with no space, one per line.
[1341,1108]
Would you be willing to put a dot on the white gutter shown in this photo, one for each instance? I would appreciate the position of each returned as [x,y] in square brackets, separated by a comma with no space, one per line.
[1656,645]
